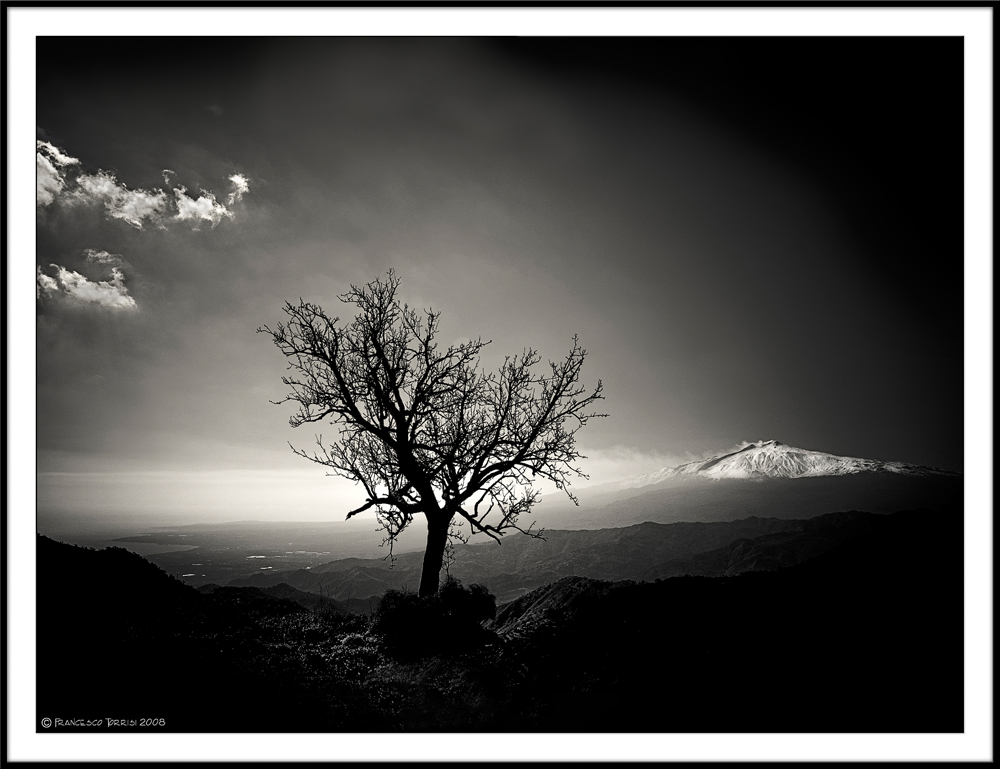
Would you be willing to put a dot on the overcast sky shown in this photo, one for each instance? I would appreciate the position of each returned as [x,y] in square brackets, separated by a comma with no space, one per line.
[754,239]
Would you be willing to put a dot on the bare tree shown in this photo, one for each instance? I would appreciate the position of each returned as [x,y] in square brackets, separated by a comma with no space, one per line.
[426,431]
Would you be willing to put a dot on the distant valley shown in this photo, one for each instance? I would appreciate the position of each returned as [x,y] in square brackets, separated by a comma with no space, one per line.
[217,553]
[642,552]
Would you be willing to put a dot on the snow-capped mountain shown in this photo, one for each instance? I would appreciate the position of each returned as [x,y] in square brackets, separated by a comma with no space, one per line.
[771,459]
[766,479]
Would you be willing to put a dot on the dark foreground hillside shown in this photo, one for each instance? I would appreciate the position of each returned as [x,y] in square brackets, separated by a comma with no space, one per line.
[865,637]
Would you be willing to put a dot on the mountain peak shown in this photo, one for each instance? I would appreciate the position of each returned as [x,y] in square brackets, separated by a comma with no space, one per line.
[774,459]
[762,445]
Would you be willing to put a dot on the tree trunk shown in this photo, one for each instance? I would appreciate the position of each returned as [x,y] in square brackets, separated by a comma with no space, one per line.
[437,538]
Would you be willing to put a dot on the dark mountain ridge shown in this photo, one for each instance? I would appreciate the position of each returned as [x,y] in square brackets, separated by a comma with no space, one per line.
[643,551]
[864,637]
[695,498]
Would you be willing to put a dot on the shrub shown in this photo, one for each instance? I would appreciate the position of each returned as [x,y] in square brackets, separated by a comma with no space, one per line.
[443,624]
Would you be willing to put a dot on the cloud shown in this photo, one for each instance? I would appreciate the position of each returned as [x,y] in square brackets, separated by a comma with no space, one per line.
[741,445]
[43,283]
[111,294]
[50,180]
[101,257]
[204,208]
[59,157]
[136,207]
[132,206]
[616,463]
[240,185]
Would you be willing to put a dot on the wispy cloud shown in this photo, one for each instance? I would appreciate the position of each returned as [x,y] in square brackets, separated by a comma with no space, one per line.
[167,173]
[204,208]
[73,286]
[240,185]
[132,206]
[616,463]
[101,257]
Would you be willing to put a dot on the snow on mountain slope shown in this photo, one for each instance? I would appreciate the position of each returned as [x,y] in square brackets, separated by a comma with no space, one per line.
[771,459]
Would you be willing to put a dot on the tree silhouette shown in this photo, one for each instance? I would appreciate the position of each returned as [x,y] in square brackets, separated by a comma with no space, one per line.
[426,431]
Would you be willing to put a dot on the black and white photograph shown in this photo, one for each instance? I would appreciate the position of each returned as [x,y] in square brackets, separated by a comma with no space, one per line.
[498,386]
